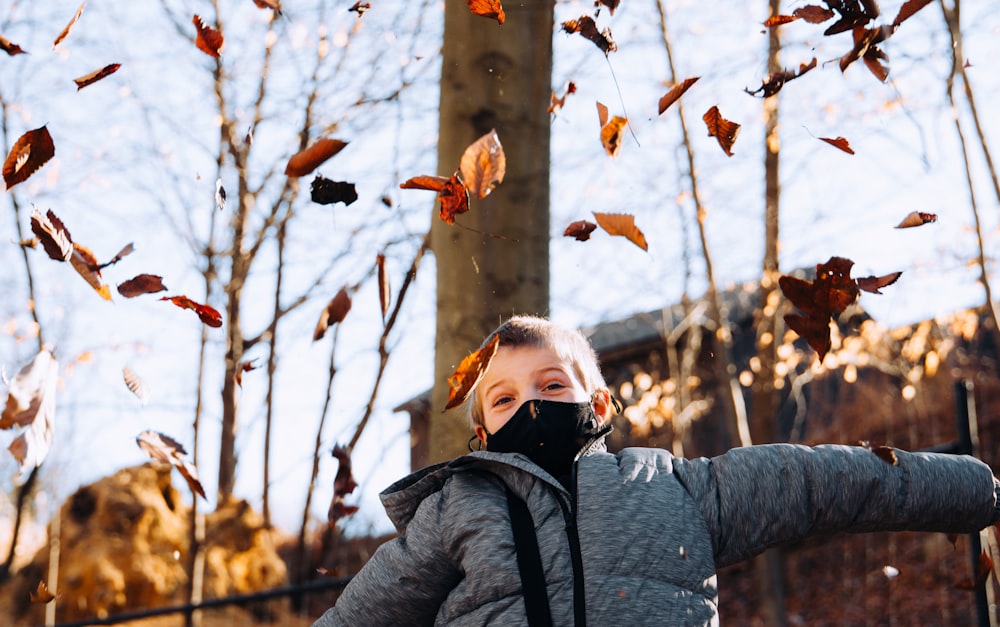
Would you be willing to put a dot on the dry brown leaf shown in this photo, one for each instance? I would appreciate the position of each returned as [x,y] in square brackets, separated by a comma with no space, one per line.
[207,314]
[470,372]
[814,14]
[62,35]
[333,313]
[96,75]
[384,295]
[721,129]
[488,8]
[622,224]
[483,165]
[135,385]
[587,28]
[141,284]
[9,47]
[676,92]
[208,39]
[916,218]
[51,232]
[839,142]
[305,161]
[778,20]
[30,152]
[31,403]
[908,9]
[164,448]
[558,102]
[581,230]
[41,594]
[85,263]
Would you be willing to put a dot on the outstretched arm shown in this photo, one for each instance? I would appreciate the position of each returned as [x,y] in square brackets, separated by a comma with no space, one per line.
[405,581]
[761,496]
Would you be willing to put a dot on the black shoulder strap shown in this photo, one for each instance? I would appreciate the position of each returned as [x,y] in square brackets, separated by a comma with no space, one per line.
[529,562]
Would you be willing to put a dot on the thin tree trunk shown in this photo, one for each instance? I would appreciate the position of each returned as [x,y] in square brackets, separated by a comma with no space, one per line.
[952,18]
[769,566]
[302,550]
[733,407]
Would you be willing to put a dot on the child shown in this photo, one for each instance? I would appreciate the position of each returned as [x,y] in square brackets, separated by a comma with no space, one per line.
[626,539]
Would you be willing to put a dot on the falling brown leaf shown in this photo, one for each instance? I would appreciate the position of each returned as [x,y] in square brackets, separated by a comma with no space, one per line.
[622,224]
[323,191]
[866,42]
[774,82]
[333,313]
[62,35]
[488,8]
[885,453]
[208,39]
[916,218]
[676,92]
[305,161]
[813,14]
[41,594]
[452,193]
[96,75]
[343,484]
[587,28]
[31,403]
[9,47]
[246,366]
[167,450]
[611,4]
[874,284]
[827,296]
[384,296]
[207,314]
[483,165]
[360,8]
[141,284]
[126,250]
[839,142]
[470,372]
[31,242]
[778,20]
[85,264]
[30,152]
[269,4]
[611,130]
[721,129]
[581,230]
[908,9]
[135,385]
[52,234]
[557,102]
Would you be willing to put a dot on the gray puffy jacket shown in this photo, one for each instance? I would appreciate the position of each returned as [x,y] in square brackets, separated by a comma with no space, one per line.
[652,529]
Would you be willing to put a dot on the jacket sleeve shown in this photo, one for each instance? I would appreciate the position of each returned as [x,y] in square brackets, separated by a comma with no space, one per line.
[405,581]
[760,496]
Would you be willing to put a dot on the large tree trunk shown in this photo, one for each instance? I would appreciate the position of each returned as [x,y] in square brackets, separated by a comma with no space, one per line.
[494,262]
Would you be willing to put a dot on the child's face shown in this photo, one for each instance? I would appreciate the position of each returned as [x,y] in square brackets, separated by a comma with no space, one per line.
[517,375]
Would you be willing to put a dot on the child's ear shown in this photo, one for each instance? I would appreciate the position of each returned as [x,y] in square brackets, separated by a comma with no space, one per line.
[481,433]
[601,400]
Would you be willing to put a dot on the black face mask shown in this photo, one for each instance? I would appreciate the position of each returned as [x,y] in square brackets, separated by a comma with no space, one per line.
[552,434]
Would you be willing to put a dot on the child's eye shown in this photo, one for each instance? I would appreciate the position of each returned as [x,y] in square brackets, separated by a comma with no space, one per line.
[501,400]
[555,385]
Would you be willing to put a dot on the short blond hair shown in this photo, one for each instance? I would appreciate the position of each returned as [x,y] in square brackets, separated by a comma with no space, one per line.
[535,332]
